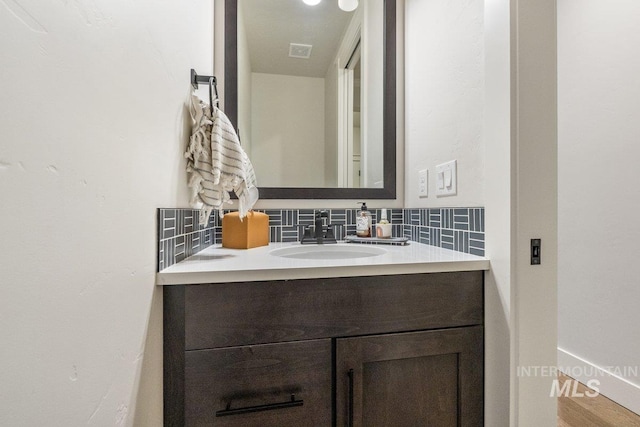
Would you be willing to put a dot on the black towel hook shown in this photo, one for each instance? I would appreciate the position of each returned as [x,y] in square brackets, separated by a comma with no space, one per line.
[211,81]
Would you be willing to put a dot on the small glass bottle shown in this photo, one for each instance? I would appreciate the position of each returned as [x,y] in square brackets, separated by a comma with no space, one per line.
[383,228]
[363,222]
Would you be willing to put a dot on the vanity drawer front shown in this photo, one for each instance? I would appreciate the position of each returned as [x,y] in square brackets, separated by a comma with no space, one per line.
[223,315]
[264,376]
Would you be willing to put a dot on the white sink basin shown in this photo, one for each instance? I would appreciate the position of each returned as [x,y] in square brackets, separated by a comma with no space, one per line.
[329,251]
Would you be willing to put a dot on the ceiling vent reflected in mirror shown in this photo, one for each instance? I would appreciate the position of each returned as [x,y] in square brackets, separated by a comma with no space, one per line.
[302,51]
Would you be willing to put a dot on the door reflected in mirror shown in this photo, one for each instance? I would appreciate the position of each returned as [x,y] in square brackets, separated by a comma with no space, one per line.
[310,92]
[355,138]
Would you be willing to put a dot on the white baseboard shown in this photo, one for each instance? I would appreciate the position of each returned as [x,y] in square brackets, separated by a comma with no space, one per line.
[612,386]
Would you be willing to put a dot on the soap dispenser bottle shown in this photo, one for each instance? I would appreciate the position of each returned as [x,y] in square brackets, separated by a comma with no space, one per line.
[363,222]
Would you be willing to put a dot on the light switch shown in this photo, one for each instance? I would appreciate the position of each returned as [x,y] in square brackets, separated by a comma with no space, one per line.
[440,180]
[447,179]
[423,183]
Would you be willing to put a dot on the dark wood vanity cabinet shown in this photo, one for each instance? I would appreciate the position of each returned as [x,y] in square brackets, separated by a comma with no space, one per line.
[402,350]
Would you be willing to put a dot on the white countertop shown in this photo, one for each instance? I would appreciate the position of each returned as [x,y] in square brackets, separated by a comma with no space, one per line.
[216,264]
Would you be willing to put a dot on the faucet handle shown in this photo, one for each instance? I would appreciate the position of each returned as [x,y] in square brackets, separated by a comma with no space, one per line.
[332,231]
[305,231]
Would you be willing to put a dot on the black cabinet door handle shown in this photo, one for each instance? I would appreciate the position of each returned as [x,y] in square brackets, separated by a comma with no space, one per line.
[350,405]
[271,406]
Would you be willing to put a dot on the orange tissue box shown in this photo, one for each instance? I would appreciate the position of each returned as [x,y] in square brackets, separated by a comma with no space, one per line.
[251,232]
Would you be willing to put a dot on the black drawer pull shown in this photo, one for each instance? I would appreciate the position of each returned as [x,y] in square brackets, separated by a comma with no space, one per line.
[288,404]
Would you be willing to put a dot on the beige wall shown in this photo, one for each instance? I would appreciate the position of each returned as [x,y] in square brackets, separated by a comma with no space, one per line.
[288,144]
[372,118]
[598,92]
[94,126]
[244,85]
[498,177]
[331,126]
[444,100]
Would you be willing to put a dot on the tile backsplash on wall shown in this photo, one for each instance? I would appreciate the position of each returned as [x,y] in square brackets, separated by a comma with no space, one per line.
[180,235]
[458,229]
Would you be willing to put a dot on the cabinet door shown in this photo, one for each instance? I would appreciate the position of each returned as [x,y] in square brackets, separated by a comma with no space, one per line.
[285,384]
[429,378]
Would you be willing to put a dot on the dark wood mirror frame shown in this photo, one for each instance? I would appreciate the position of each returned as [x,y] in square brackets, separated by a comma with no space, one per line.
[389,112]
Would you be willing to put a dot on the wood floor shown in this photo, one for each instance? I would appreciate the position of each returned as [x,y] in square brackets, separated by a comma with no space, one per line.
[592,411]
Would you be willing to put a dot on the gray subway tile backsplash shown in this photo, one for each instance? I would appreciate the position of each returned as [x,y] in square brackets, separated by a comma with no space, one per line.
[459,229]
[180,235]
[434,218]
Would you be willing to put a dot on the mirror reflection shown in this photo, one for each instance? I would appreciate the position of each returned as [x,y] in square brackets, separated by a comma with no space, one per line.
[310,92]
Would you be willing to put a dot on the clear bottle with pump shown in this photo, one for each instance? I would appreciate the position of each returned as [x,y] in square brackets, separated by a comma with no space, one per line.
[363,222]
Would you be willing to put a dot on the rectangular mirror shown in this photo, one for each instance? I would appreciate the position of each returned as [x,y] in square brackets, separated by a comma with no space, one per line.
[312,92]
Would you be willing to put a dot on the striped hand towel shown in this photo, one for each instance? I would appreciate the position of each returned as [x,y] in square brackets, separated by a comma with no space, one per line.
[217,163]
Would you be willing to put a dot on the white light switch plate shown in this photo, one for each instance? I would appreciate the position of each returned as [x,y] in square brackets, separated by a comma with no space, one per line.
[447,176]
[423,183]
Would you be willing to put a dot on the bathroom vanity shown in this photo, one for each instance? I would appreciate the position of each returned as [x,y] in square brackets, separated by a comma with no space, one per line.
[391,339]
